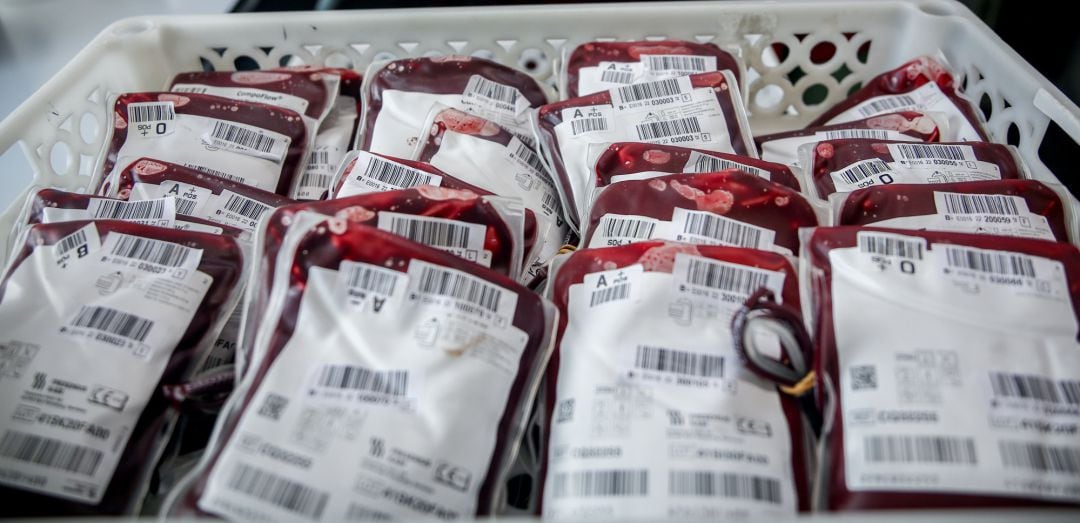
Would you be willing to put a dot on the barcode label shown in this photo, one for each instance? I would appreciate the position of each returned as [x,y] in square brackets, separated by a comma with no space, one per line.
[991,262]
[370,278]
[245,206]
[673,361]
[185,206]
[317,159]
[916,151]
[919,449]
[349,377]
[455,284]
[278,491]
[703,163]
[650,90]
[189,88]
[656,130]
[958,203]
[220,174]
[600,483]
[726,277]
[609,294]
[436,232]
[499,96]
[113,322]
[1028,387]
[617,77]
[839,134]
[550,201]
[724,484]
[70,242]
[588,125]
[151,112]
[50,453]
[617,226]
[890,245]
[152,251]
[525,153]
[144,210]
[724,230]
[888,104]
[246,139]
[862,170]
[1039,457]
[679,63]
[397,175]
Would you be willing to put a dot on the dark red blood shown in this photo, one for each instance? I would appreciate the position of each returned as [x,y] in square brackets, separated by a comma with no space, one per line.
[222,260]
[448,182]
[592,53]
[826,363]
[156,172]
[833,155]
[904,79]
[624,158]
[883,202]
[360,243]
[587,261]
[747,198]
[445,75]
[906,122]
[264,116]
[300,84]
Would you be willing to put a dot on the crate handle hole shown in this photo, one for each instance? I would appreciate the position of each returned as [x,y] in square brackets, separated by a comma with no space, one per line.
[938,8]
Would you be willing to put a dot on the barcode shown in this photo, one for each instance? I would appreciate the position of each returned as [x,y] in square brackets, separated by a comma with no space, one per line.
[724,484]
[215,172]
[890,246]
[1030,387]
[626,227]
[70,241]
[246,206]
[550,202]
[920,151]
[706,164]
[358,512]
[876,134]
[600,483]
[456,285]
[390,382]
[189,89]
[184,206]
[435,232]
[50,453]
[139,210]
[396,175]
[151,112]
[992,262]
[919,449]
[863,170]
[1043,458]
[237,135]
[318,158]
[981,204]
[153,251]
[617,77]
[722,229]
[679,362]
[649,90]
[278,491]
[656,130]
[588,125]
[888,104]
[676,63]
[725,277]
[609,294]
[114,322]
[319,181]
[481,86]
[367,278]
[526,154]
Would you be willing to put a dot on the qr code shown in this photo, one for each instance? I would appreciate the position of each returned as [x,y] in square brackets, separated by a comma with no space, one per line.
[863,377]
[272,406]
[565,411]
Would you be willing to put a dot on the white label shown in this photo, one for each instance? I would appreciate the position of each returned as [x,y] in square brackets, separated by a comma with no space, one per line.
[494,101]
[460,238]
[928,99]
[704,163]
[368,173]
[697,227]
[67,414]
[915,170]
[148,120]
[996,214]
[651,93]
[654,416]
[398,379]
[608,75]
[976,399]
[190,142]
[227,208]
[159,212]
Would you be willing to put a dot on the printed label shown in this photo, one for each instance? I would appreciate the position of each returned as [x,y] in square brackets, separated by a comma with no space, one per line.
[697,227]
[227,208]
[917,164]
[608,75]
[247,139]
[247,94]
[369,173]
[704,163]
[459,238]
[160,212]
[997,214]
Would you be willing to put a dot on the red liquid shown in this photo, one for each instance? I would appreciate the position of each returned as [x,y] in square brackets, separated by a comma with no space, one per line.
[625,158]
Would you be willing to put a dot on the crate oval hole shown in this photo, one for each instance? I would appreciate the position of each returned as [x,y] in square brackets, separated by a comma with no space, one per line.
[88,128]
[60,158]
[534,61]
